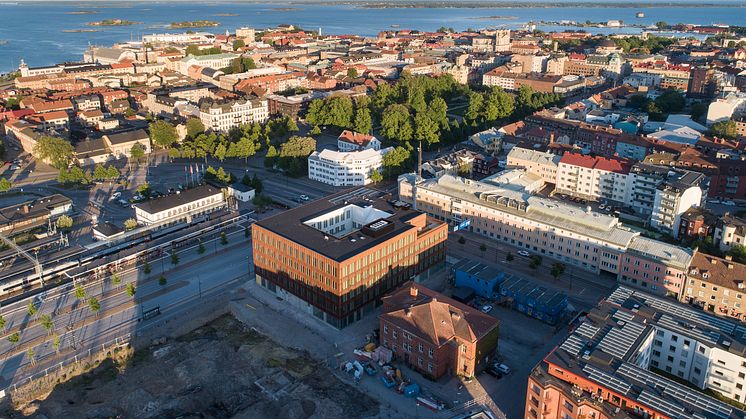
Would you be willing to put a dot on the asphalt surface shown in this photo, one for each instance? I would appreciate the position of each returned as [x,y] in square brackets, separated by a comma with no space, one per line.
[80,329]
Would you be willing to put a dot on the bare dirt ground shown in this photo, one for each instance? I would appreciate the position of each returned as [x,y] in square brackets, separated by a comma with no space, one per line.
[219,370]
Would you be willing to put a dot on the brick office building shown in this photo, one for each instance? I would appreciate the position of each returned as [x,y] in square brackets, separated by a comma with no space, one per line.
[335,258]
[435,334]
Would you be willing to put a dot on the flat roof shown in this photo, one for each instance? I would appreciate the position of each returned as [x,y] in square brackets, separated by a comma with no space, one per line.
[167,202]
[604,349]
[292,224]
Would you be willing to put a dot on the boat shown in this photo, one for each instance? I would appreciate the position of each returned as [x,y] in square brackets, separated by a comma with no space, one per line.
[395,26]
[640,15]
[3,42]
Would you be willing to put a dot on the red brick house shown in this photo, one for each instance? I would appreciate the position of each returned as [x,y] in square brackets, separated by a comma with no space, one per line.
[435,334]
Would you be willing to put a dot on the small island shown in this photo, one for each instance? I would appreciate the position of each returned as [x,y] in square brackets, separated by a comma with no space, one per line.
[82,12]
[194,24]
[113,22]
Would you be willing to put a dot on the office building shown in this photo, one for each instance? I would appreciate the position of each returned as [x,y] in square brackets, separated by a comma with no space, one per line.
[352,168]
[335,257]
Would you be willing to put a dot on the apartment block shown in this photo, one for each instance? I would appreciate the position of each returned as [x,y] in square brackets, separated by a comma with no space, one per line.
[593,177]
[224,115]
[539,163]
[618,361]
[589,240]
[335,258]
[717,285]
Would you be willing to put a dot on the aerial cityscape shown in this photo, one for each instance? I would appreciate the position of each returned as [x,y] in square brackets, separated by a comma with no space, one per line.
[373,209]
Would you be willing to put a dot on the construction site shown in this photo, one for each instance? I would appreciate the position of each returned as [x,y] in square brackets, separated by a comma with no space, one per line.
[220,370]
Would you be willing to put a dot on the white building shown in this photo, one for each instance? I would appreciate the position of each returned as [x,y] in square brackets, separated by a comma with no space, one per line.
[178,38]
[215,61]
[671,200]
[182,207]
[539,163]
[724,108]
[592,178]
[222,116]
[345,168]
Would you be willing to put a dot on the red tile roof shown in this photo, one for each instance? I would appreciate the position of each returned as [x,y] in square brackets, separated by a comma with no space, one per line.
[600,163]
[355,138]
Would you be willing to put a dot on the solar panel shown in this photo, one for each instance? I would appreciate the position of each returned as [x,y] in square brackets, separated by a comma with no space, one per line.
[606,379]
[661,405]
[619,340]
[587,330]
[675,390]
[573,344]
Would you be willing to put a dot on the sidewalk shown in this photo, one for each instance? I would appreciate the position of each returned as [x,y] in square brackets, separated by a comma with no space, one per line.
[258,308]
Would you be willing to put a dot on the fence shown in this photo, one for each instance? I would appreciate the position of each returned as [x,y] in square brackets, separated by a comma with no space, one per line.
[83,356]
[473,405]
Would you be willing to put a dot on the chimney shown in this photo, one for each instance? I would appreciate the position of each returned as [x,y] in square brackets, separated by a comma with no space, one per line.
[730,266]
[714,261]
[26,208]
[551,137]
[728,257]
[413,291]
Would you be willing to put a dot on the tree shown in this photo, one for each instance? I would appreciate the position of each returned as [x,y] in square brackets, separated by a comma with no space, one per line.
[30,354]
[74,175]
[670,101]
[116,279]
[396,123]
[146,267]
[394,162]
[482,247]
[557,270]
[99,173]
[315,130]
[64,222]
[257,184]
[363,121]
[376,176]
[426,130]
[535,261]
[163,133]
[498,105]
[194,127]
[144,190]
[724,129]
[509,257]
[352,72]
[47,322]
[31,309]
[137,152]
[271,157]
[56,341]
[131,290]
[79,292]
[238,43]
[174,257]
[14,338]
[112,173]
[475,106]
[2,322]
[293,156]
[162,280]
[174,153]
[130,224]
[5,185]
[56,151]
[698,111]
[461,240]
[638,101]
[738,252]
[223,238]
[661,25]
[94,305]
[220,152]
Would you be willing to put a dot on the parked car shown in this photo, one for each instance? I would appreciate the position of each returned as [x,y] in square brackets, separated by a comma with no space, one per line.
[303,197]
[493,371]
[524,253]
[486,308]
[602,207]
[116,195]
[729,203]
[504,369]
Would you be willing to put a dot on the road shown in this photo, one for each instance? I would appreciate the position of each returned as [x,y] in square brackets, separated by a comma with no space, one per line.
[80,329]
